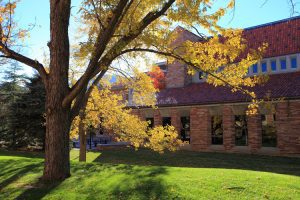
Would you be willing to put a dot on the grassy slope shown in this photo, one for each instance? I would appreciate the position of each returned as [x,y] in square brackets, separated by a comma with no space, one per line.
[126,174]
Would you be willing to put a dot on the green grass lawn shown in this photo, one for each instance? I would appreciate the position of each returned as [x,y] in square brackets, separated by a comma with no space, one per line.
[129,174]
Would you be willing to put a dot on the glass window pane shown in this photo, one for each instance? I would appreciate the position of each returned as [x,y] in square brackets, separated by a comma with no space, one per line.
[294,62]
[241,130]
[269,137]
[273,65]
[264,67]
[255,68]
[150,121]
[166,121]
[185,129]
[283,64]
[216,130]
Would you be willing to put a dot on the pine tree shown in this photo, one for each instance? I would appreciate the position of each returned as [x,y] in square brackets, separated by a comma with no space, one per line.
[10,91]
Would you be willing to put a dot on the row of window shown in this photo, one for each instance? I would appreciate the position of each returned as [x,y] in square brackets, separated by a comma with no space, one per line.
[275,65]
[269,138]
[185,124]
[271,65]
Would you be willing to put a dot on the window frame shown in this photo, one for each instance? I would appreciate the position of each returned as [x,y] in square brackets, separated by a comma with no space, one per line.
[165,118]
[271,62]
[185,131]
[151,119]
[291,60]
[256,67]
[281,62]
[264,126]
[214,137]
[262,67]
[243,128]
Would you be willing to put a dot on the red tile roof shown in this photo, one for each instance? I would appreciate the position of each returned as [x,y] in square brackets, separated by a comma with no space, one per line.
[285,85]
[282,37]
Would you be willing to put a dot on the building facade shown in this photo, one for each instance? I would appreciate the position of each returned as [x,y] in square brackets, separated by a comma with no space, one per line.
[212,118]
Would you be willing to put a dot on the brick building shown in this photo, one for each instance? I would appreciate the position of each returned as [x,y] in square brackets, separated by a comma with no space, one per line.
[212,118]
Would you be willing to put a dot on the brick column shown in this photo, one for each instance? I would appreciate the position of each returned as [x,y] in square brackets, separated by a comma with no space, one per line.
[200,128]
[288,125]
[138,113]
[254,132]
[175,120]
[157,118]
[228,128]
[282,118]
[293,135]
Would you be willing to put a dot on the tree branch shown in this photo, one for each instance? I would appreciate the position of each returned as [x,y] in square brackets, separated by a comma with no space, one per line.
[103,39]
[8,53]
[83,96]
[191,64]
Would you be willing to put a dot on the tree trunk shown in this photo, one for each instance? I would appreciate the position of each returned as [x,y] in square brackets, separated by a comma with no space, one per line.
[82,138]
[57,157]
[58,120]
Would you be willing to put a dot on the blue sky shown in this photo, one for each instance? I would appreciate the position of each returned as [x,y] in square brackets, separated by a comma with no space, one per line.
[247,13]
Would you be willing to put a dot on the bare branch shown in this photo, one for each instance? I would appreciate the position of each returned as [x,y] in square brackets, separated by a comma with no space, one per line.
[10,54]
[96,14]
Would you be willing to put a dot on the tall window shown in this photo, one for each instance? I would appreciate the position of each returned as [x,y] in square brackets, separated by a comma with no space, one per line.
[241,130]
[185,131]
[166,121]
[273,65]
[216,130]
[283,64]
[269,138]
[150,121]
[263,67]
[293,62]
[255,68]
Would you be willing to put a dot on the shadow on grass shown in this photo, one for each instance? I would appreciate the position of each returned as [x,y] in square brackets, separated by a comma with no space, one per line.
[114,181]
[38,190]
[102,181]
[10,173]
[280,165]
[25,154]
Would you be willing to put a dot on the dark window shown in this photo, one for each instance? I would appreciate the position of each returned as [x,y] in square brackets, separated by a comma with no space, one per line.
[283,64]
[216,130]
[185,131]
[150,121]
[264,67]
[166,121]
[293,62]
[202,75]
[241,130]
[255,68]
[273,65]
[269,138]
[163,67]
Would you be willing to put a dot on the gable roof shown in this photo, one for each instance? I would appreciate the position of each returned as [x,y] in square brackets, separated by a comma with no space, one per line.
[285,85]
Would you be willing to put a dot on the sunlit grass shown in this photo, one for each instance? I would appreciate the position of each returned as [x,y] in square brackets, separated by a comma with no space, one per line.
[129,174]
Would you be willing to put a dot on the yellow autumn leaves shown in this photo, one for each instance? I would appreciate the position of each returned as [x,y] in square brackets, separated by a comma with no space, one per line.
[107,109]
[9,31]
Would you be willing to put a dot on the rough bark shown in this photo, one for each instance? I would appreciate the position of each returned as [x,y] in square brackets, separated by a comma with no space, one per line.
[57,159]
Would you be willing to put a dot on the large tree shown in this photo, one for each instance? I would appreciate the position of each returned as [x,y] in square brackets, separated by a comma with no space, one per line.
[113,29]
